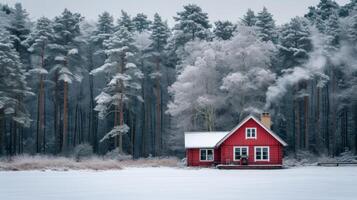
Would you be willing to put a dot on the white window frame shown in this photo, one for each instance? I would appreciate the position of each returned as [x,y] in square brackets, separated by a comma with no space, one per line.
[206,155]
[239,147]
[251,128]
[255,153]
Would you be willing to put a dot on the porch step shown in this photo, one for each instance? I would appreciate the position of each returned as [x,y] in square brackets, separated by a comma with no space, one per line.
[220,166]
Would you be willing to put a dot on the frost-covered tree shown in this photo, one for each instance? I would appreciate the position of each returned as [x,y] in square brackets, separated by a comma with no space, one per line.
[124,84]
[326,8]
[67,62]
[126,21]
[224,29]
[196,92]
[141,22]
[295,42]
[13,90]
[249,19]
[352,29]
[236,72]
[96,56]
[37,43]
[19,28]
[248,66]
[105,23]
[266,25]
[192,23]
[333,31]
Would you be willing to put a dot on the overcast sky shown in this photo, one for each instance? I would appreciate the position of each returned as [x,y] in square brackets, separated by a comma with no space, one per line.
[283,10]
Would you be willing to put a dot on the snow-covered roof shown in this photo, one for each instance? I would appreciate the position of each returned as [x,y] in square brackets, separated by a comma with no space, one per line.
[203,139]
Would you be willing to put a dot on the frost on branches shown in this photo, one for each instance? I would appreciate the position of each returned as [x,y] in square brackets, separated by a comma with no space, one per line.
[124,79]
[13,85]
[228,77]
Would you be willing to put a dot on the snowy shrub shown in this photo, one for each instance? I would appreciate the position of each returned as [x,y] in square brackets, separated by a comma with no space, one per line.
[347,156]
[301,158]
[115,154]
[26,162]
[152,162]
[82,151]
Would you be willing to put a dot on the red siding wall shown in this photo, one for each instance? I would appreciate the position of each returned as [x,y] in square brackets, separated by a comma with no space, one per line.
[193,158]
[263,139]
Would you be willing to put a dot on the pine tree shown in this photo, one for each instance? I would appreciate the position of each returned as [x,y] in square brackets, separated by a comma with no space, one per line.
[105,23]
[159,36]
[123,85]
[352,30]
[125,21]
[19,30]
[37,44]
[224,29]
[326,8]
[193,23]
[13,90]
[67,59]
[249,19]
[141,22]
[266,26]
[333,31]
[322,11]
[295,46]
[96,57]
[295,42]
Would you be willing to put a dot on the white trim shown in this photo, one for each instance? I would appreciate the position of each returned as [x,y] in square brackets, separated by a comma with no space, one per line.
[255,154]
[236,147]
[255,133]
[206,155]
[243,122]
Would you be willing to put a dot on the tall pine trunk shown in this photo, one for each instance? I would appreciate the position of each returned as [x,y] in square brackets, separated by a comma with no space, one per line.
[2,131]
[306,120]
[93,122]
[41,108]
[65,117]
[158,136]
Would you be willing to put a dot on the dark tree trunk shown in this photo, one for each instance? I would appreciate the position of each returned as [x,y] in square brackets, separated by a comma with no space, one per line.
[2,131]
[65,118]
[158,139]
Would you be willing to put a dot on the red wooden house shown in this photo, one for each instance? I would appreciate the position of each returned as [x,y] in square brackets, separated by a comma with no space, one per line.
[251,144]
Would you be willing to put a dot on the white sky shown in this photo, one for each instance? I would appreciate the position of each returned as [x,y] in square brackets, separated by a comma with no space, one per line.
[283,10]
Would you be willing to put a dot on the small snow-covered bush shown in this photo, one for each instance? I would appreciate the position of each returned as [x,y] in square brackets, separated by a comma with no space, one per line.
[117,155]
[347,156]
[152,162]
[82,151]
[301,158]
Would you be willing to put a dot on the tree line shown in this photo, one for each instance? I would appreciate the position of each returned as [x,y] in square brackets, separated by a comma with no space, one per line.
[135,85]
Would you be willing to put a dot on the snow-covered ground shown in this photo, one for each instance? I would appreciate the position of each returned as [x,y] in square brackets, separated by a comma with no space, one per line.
[305,183]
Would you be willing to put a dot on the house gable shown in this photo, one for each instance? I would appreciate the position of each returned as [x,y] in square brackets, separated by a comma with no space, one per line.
[264,136]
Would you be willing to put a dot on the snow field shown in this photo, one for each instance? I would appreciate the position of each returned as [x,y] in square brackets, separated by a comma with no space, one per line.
[162,183]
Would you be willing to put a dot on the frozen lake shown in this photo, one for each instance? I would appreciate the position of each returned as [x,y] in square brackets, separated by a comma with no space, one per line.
[305,183]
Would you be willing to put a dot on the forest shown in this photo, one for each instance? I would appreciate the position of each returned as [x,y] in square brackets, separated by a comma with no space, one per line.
[135,84]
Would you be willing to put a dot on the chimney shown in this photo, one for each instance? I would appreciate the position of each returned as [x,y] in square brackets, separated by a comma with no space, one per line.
[265,119]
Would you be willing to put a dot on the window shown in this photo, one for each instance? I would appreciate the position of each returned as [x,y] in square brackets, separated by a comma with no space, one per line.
[262,153]
[240,152]
[206,154]
[251,133]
